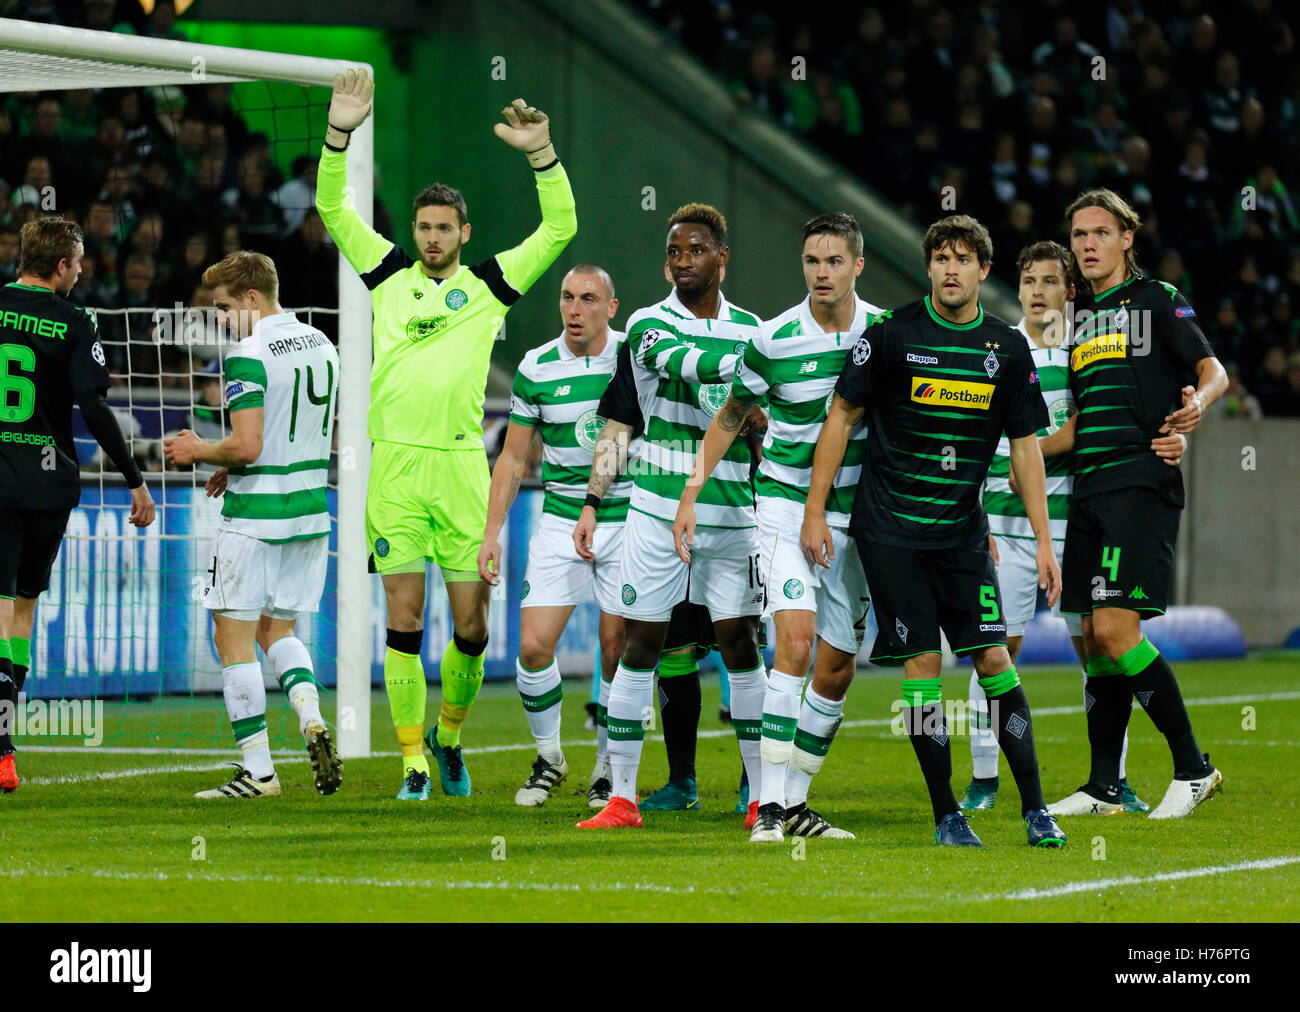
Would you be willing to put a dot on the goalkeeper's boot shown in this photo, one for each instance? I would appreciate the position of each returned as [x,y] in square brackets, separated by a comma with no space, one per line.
[244,785]
[8,774]
[742,805]
[675,796]
[767,827]
[1042,829]
[980,794]
[954,831]
[1130,800]
[326,766]
[1090,799]
[617,813]
[803,821]
[544,778]
[415,787]
[451,765]
[1187,791]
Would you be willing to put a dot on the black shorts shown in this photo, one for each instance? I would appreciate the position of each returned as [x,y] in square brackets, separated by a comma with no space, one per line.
[690,625]
[918,591]
[29,541]
[1119,551]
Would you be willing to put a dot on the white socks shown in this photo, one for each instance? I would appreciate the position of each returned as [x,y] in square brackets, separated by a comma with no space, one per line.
[602,731]
[748,689]
[819,719]
[781,702]
[246,705]
[292,666]
[631,704]
[983,743]
[542,695]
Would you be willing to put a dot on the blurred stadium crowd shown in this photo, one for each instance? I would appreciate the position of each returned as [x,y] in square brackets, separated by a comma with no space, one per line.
[1189,109]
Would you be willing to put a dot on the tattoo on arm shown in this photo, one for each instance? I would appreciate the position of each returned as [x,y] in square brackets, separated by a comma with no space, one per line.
[732,416]
[608,461]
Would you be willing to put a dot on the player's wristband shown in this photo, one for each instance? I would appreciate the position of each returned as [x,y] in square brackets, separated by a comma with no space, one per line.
[336,132]
[592,500]
[543,158]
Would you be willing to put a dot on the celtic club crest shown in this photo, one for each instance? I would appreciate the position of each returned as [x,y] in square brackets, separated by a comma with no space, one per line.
[713,396]
[1059,413]
[587,429]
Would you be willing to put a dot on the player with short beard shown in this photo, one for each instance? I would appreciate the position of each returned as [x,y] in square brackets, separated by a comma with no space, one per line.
[943,380]
[1134,341]
[793,364]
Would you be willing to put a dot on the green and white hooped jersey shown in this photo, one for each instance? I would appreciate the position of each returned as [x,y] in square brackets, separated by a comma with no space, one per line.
[291,371]
[694,360]
[794,364]
[558,392]
[1005,509]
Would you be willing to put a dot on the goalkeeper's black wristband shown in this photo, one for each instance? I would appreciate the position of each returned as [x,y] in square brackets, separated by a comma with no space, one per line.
[592,500]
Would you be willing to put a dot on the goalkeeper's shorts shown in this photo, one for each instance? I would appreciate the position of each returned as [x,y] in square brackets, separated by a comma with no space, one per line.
[426,505]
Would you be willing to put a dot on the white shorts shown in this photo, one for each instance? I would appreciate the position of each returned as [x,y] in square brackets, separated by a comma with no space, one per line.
[558,576]
[252,578]
[1018,581]
[838,595]
[723,574]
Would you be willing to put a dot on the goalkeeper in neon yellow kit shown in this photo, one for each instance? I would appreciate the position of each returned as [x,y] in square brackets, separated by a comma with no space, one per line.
[435,323]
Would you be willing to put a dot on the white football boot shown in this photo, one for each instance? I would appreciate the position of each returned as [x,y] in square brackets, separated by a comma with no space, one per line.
[244,786]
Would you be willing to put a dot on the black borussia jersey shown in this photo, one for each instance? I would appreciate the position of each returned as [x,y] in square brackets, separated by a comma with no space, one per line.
[938,396]
[1132,350]
[619,401]
[49,355]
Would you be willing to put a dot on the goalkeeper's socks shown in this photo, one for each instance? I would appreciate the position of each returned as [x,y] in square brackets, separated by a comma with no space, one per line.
[781,699]
[462,677]
[602,723]
[246,705]
[983,742]
[407,692]
[819,719]
[631,705]
[1009,710]
[21,647]
[748,689]
[293,670]
[923,716]
[1108,702]
[542,696]
[679,705]
[1154,686]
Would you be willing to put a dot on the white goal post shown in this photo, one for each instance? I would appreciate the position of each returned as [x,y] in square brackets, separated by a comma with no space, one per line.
[37,57]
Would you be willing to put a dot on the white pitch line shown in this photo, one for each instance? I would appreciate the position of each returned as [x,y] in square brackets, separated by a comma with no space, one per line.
[1096,885]
[365,882]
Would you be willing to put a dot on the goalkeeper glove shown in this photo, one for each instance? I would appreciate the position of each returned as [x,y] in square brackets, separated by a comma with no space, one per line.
[529,130]
[349,106]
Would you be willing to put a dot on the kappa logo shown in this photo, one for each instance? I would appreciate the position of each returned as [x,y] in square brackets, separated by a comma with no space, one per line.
[991,365]
[900,629]
[861,350]
[793,589]
[563,391]
[1138,594]
[587,429]
[922,359]
[1017,725]
[629,594]
[807,367]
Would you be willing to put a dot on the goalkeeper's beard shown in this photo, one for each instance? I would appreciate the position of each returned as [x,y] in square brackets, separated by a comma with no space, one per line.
[437,261]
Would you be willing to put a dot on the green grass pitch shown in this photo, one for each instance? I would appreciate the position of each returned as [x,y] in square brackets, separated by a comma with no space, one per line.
[96,835]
